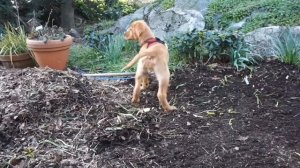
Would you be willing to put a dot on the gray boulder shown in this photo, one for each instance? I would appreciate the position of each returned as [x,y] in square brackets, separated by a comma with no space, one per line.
[124,22]
[164,23]
[175,21]
[260,40]
[198,5]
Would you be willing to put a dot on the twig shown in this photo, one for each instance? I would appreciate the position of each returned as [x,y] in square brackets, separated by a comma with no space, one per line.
[124,108]
[230,123]
[205,150]
[296,115]
[87,113]
[77,133]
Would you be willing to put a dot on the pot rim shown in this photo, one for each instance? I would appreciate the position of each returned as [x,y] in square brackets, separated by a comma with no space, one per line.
[23,56]
[16,55]
[33,43]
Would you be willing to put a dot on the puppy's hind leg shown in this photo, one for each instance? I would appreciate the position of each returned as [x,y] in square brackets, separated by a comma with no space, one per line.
[162,94]
[139,75]
[137,89]
[145,82]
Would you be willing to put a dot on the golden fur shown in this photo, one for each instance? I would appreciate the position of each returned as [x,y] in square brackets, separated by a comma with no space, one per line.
[154,58]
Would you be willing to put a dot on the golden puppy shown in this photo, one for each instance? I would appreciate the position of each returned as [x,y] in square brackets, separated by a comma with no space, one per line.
[153,56]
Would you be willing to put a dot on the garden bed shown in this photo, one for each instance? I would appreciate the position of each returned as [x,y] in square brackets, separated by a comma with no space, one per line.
[224,119]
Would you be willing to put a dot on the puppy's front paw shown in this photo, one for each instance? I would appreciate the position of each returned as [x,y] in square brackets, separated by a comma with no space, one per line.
[171,108]
[123,69]
[135,100]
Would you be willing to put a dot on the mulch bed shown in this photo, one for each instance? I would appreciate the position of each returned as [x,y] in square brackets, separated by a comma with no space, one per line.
[224,119]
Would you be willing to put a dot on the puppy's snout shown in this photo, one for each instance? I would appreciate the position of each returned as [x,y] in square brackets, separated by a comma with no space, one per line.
[127,34]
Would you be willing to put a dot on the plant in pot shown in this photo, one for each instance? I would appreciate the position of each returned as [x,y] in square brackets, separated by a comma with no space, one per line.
[13,50]
[50,46]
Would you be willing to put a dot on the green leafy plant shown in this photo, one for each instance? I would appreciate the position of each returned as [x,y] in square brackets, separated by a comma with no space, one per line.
[118,52]
[85,58]
[95,39]
[104,9]
[168,4]
[113,50]
[47,33]
[286,46]
[207,46]
[258,13]
[224,45]
[240,57]
[7,13]
[13,41]
[109,55]
[188,47]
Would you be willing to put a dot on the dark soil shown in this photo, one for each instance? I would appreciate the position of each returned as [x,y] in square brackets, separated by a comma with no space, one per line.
[59,119]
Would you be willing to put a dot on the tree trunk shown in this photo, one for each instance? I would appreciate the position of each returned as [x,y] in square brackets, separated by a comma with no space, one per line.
[67,14]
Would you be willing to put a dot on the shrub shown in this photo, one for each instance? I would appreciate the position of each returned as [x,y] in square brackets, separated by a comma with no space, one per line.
[287,47]
[7,13]
[113,50]
[258,13]
[103,53]
[118,51]
[188,47]
[167,4]
[13,42]
[85,58]
[213,46]
[104,9]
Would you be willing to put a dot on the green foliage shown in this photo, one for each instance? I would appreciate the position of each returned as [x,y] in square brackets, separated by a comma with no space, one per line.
[164,4]
[93,35]
[91,10]
[213,46]
[40,9]
[222,45]
[113,50]
[110,55]
[118,52]
[47,32]
[96,39]
[258,13]
[96,10]
[85,58]
[287,47]
[188,47]
[167,4]
[7,12]
[240,57]
[13,42]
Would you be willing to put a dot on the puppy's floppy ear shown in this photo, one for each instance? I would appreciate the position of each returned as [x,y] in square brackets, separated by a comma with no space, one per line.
[139,28]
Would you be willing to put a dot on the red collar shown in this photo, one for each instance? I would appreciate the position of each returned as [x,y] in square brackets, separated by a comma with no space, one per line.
[153,41]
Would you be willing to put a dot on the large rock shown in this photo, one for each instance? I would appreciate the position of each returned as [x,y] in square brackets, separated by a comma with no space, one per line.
[175,21]
[260,39]
[164,23]
[198,5]
[124,22]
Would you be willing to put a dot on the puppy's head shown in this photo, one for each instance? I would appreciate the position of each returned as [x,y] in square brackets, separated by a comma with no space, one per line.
[135,30]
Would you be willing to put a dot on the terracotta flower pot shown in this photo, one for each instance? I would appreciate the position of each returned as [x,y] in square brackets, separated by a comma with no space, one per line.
[17,61]
[53,54]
